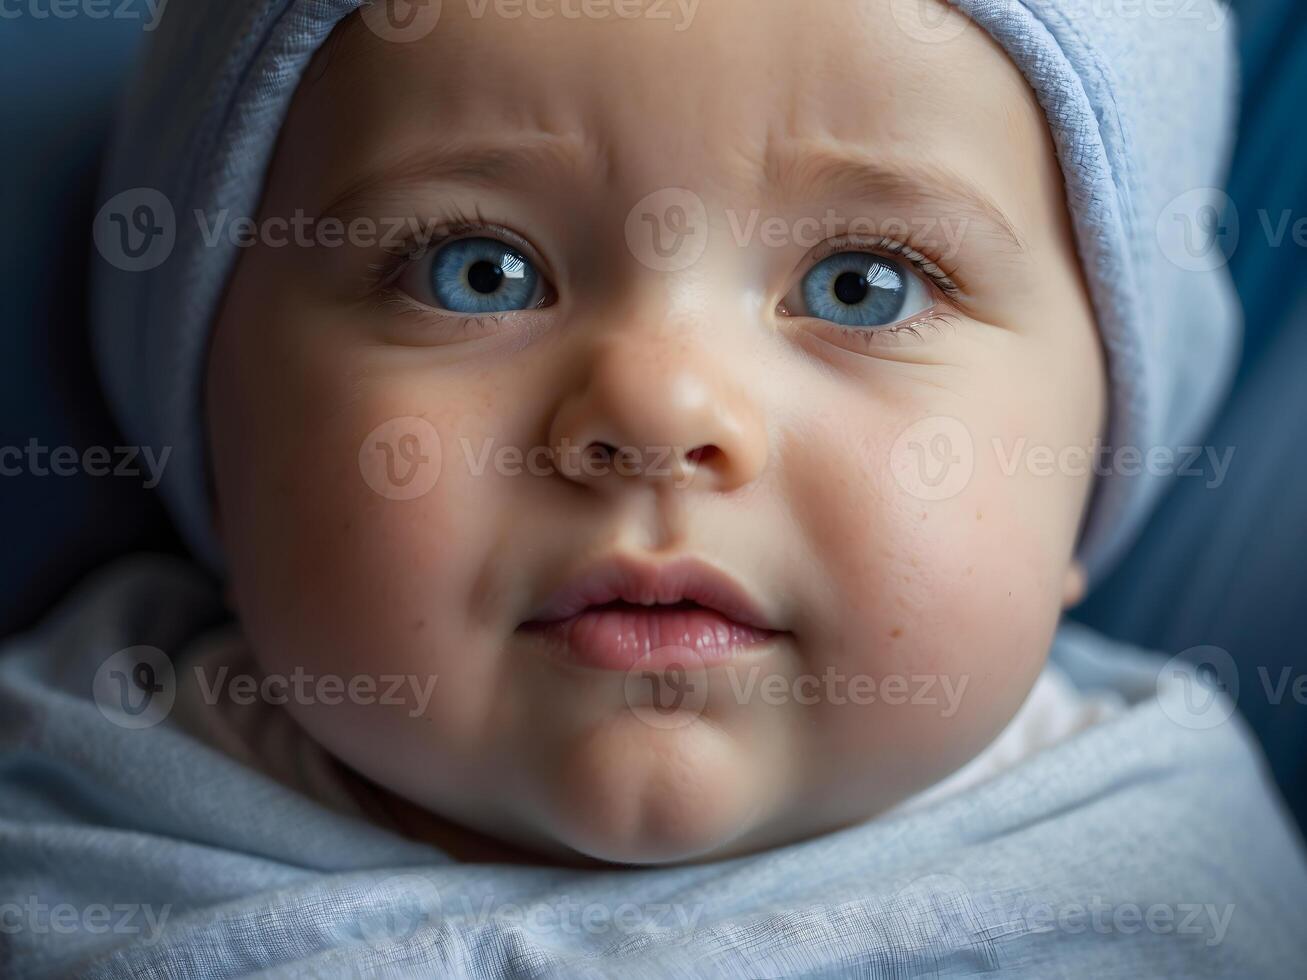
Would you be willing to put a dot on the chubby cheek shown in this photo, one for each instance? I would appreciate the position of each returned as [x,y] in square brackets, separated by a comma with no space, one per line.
[941,590]
[355,535]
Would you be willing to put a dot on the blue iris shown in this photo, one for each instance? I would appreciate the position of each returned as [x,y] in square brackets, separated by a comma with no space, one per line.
[481,275]
[857,289]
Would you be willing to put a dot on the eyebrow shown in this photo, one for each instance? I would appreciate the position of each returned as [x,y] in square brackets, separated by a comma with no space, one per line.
[824,171]
[801,171]
[477,164]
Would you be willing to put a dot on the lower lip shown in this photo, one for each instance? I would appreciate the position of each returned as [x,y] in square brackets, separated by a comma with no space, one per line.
[619,639]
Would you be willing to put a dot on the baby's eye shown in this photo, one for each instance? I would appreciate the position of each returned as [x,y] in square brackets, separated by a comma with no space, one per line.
[474,276]
[859,289]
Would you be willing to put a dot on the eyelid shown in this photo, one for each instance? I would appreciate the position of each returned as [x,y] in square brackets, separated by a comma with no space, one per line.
[888,338]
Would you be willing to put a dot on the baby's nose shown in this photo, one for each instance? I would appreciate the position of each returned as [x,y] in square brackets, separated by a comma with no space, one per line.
[662,412]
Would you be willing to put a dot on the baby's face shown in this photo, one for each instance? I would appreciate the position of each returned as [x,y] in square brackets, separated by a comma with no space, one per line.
[789,400]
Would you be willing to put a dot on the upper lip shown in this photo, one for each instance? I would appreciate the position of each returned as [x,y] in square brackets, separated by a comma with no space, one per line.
[646,584]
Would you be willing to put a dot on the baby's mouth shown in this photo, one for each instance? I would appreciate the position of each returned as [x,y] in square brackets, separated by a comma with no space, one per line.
[621,613]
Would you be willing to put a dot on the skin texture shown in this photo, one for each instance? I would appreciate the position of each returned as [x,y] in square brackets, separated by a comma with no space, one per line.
[798,499]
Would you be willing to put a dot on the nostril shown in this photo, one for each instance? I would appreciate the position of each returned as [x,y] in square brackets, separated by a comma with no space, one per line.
[706,453]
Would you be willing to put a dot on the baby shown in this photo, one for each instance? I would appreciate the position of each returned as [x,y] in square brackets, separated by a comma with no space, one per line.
[722,414]
[655,434]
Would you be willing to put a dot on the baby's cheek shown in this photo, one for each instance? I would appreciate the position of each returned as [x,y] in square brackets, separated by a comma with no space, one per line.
[948,653]
[384,585]
[368,543]
[974,578]
[939,601]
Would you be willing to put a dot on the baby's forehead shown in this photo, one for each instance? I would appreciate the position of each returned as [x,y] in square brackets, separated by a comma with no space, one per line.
[741,94]
[739,71]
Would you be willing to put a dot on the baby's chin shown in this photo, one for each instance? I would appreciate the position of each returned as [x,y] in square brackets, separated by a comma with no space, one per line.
[630,794]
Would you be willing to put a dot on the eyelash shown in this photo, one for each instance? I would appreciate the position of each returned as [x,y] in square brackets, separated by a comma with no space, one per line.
[931,268]
[456,223]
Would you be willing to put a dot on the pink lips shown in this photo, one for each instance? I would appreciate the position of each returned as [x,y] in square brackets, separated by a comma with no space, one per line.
[622,613]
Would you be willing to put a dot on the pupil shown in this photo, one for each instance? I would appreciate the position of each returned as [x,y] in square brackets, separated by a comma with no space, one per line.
[485,276]
[851,288]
